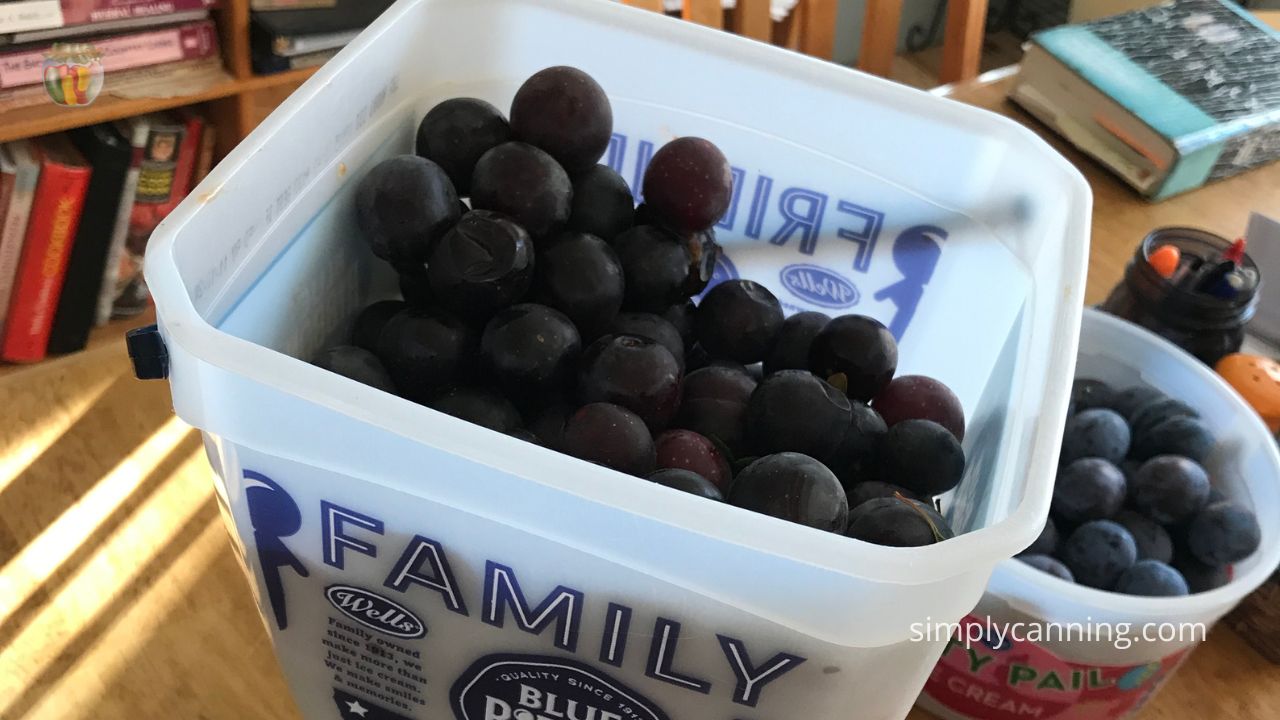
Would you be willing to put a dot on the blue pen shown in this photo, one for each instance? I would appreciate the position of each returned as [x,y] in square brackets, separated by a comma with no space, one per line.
[1214,280]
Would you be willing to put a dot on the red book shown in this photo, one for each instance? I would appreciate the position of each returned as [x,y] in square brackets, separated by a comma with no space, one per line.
[55,216]
[191,41]
[188,156]
[76,12]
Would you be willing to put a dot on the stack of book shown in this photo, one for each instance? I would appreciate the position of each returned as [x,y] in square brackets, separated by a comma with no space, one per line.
[294,34]
[165,45]
[76,210]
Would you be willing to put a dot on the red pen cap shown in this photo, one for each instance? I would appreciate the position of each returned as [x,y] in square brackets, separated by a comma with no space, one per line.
[1235,253]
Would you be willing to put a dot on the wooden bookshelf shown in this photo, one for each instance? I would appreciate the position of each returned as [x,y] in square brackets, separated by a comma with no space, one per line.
[231,102]
[234,105]
[50,118]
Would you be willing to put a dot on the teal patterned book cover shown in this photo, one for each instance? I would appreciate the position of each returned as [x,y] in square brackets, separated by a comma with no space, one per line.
[1204,74]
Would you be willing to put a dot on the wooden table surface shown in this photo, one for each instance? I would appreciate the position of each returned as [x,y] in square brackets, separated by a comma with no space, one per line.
[121,597]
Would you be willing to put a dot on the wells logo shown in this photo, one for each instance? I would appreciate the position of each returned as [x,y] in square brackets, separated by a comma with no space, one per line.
[819,286]
[375,611]
[73,74]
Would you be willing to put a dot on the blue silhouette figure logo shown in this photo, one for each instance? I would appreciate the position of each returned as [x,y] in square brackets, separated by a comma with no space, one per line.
[915,254]
[274,516]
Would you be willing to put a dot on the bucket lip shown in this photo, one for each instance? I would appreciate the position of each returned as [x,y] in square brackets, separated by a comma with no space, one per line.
[187,332]
[1219,599]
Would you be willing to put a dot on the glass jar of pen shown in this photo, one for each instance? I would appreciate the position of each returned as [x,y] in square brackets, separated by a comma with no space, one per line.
[1192,287]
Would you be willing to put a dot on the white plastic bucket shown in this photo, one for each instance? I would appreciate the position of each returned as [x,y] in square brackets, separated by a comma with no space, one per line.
[1112,675]
[409,561]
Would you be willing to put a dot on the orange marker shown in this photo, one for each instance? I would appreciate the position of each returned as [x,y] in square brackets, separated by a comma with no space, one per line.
[1165,260]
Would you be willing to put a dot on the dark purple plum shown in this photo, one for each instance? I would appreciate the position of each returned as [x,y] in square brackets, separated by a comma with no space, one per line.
[581,276]
[371,320]
[479,406]
[565,112]
[696,358]
[612,436]
[602,203]
[525,184]
[687,481]
[727,382]
[1128,401]
[1047,564]
[681,317]
[1156,411]
[646,216]
[403,206]
[859,348]
[739,320]
[714,404]
[651,327]
[1047,542]
[482,265]
[897,522]
[415,287]
[1129,467]
[688,450]
[1200,577]
[1169,489]
[794,487]
[548,424]
[1223,533]
[1098,553]
[855,458]
[357,364]
[425,350]
[655,264]
[530,349]
[1152,539]
[1179,435]
[922,456]
[1088,489]
[923,398]
[791,348]
[719,421]
[636,373]
[1096,432]
[456,132]
[862,492]
[794,411]
[688,184]
[1087,393]
[1152,578]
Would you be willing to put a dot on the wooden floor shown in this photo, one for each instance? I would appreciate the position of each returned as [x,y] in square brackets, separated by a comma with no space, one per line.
[120,595]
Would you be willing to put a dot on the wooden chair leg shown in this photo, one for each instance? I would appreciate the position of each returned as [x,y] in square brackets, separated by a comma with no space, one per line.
[818,30]
[751,19]
[704,12]
[880,36]
[786,32]
[962,44]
